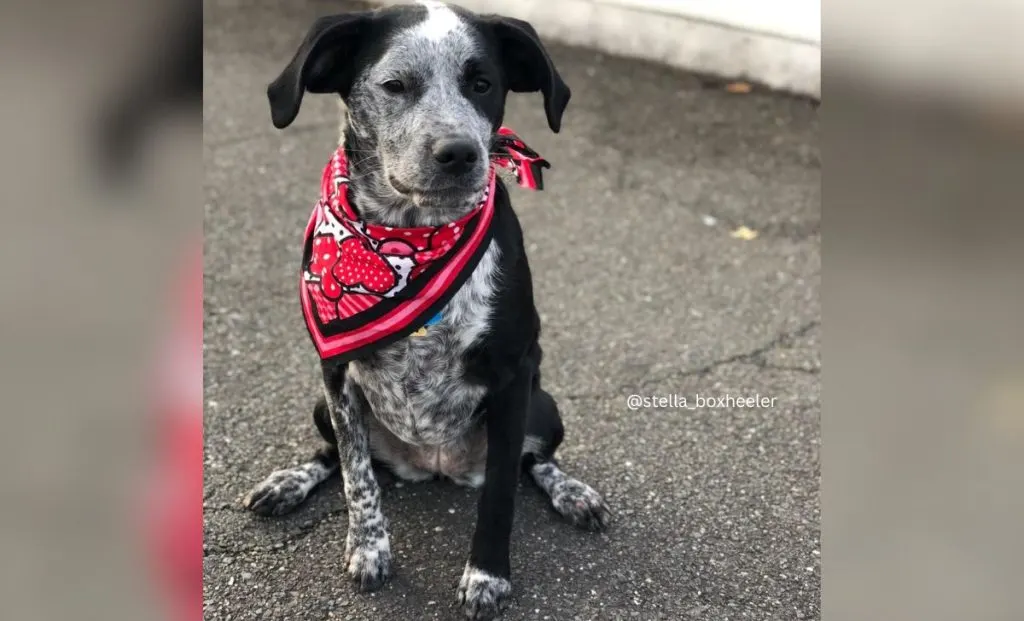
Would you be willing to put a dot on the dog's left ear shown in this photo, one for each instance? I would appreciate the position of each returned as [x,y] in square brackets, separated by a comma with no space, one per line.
[528,67]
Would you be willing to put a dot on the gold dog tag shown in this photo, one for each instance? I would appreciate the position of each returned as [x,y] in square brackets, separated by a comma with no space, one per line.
[423,331]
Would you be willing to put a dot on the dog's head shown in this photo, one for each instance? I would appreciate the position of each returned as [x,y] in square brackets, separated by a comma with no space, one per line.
[425,88]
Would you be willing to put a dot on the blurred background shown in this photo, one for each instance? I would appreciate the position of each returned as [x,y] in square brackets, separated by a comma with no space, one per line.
[102,186]
[101,309]
[777,44]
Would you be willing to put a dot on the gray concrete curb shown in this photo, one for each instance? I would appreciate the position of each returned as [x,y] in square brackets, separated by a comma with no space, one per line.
[776,61]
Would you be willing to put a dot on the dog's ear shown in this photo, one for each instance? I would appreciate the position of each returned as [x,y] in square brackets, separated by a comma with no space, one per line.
[324,63]
[528,67]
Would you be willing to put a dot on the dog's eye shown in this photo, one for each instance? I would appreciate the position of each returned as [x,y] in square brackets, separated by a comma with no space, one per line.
[481,86]
[394,86]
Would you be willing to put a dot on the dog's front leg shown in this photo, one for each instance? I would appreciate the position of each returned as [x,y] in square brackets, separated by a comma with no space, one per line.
[367,547]
[486,585]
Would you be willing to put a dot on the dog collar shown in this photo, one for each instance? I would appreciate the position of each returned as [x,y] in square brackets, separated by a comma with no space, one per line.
[364,286]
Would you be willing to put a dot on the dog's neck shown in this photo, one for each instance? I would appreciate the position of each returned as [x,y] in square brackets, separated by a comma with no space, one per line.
[376,201]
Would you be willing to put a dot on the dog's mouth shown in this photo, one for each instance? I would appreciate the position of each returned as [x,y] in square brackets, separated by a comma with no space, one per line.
[432,196]
[408,190]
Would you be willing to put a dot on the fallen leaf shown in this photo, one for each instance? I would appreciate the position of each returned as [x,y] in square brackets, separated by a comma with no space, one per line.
[744,233]
[738,87]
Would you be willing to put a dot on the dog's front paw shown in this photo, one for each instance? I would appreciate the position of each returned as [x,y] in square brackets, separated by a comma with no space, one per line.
[581,505]
[369,563]
[481,595]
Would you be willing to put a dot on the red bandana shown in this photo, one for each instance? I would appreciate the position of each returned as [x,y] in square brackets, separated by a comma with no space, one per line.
[364,286]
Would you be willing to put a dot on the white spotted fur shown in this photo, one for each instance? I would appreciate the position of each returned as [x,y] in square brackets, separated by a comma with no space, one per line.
[441,21]
[422,405]
[285,489]
[482,594]
[575,500]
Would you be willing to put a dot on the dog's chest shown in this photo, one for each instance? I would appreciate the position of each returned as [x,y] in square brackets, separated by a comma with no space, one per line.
[417,388]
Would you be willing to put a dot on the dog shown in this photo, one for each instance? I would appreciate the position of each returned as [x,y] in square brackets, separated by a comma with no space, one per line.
[424,89]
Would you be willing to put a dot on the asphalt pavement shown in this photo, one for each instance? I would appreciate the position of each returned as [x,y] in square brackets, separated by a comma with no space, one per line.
[644,288]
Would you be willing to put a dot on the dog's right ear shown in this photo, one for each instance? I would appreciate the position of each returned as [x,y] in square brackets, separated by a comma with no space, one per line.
[529,68]
[324,63]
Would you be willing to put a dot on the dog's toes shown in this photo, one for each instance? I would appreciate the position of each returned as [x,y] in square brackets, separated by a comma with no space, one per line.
[581,505]
[372,578]
[284,490]
[278,494]
[482,596]
[369,565]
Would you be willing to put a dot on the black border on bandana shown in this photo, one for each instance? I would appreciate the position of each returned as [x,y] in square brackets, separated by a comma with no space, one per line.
[341,326]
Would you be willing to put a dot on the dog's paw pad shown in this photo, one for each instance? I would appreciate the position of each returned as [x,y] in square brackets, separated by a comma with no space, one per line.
[279,493]
[581,505]
[481,595]
[369,565]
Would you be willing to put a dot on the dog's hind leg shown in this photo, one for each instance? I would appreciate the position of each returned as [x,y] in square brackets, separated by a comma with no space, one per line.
[284,490]
[573,499]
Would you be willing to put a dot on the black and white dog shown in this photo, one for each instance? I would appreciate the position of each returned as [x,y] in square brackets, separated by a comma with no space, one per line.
[425,88]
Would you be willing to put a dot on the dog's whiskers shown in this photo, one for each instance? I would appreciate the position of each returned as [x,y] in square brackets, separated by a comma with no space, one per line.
[354,176]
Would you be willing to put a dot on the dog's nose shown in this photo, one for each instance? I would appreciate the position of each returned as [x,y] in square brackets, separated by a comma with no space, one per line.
[455,155]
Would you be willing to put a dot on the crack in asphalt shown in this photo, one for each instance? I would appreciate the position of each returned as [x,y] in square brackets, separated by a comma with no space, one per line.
[781,367]
[754,357]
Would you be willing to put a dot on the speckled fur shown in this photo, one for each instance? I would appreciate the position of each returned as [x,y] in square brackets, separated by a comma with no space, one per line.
[574,499]
[482,595]
[392,136]
[367,546]
[418,390]
[285,489]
